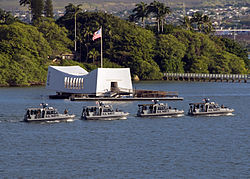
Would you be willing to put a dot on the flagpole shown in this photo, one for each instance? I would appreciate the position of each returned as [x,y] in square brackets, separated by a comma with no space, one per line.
[75,31]
[101,49]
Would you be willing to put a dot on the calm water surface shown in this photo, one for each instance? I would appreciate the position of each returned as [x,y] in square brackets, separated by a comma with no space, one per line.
[184,147]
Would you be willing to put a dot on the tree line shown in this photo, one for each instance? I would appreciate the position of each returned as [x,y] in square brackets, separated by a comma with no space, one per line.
[26,50]
[39,8]
[159,10]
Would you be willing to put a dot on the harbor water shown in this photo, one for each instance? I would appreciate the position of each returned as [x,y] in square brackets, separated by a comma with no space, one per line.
[177,147]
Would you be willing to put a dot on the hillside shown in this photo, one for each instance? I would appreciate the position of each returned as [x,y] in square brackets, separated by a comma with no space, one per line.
[27,50]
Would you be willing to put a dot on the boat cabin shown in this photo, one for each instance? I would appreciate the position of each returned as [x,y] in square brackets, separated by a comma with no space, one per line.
[153,108]
[98,110]
[204,107]
[44,112]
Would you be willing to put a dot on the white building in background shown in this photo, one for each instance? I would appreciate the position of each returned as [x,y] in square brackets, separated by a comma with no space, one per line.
[99,82]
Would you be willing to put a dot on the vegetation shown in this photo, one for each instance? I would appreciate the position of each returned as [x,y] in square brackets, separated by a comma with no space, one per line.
[56,36]
[158,9]
[23,55]
[24,51]
[48,9]
[27,50]
[38,8]
[141,12]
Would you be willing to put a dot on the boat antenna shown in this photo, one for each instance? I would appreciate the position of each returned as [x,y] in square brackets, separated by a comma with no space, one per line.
[43,104]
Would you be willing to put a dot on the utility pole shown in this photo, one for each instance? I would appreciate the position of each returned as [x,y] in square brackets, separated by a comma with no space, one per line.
[77,10]
[184,9]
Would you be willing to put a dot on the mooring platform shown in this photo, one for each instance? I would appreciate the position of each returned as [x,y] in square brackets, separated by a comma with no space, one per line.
[126,99]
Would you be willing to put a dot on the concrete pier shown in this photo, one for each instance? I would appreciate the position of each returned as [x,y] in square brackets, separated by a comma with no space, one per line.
[206,77]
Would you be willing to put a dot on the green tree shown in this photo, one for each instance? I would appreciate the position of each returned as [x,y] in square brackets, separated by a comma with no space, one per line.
[207,25]
[37,7]
[235,48]
[24,52]
[25,2]
[170,53]
[124,43]
[55,35]
[6,17]
[160,11]
[141,12]
[200,65]
[229,63]
[48,9]
[202,22]
[93,54]
[186,23]
[85,38]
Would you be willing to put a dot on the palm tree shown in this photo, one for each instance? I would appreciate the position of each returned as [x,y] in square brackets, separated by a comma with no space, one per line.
[160,11]
[86,39]
[36,7]
[207,24]
[186,23]
[197,19]
[164,10]
[6,17]
[132,18]
[93,54]
[141,12]
[203,22]
[25,2]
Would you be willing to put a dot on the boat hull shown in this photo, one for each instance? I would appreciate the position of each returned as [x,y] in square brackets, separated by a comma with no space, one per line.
[211,113]
[57,118]
[108,117]
[170,114]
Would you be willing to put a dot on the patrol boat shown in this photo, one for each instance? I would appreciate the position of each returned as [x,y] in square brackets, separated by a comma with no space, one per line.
[208,108]
[157,109]
[45,113]
[102,112]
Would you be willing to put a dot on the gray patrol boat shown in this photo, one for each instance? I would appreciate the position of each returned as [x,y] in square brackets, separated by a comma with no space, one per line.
[45,113]
[208,108]
[102,112]
[157,109]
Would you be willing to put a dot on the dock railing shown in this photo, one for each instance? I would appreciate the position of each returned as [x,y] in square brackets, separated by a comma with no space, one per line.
[206,77]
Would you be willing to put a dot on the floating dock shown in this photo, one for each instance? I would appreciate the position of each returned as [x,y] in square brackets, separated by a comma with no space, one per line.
[117,95]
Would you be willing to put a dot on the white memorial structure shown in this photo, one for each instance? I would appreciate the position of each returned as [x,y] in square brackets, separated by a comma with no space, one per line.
[99,82]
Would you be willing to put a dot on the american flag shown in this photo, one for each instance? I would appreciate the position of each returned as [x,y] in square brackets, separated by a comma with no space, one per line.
[97,34]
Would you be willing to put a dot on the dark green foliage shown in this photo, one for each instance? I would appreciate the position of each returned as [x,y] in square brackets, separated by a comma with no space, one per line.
[48,9]
[74,63]
[159,11]
[124,43]
[37,7]
[207,55]
[24,49]
[6,17]
[24,54]
[131,46]
[170,54]
[236,49]
[140,12]
[56,36]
